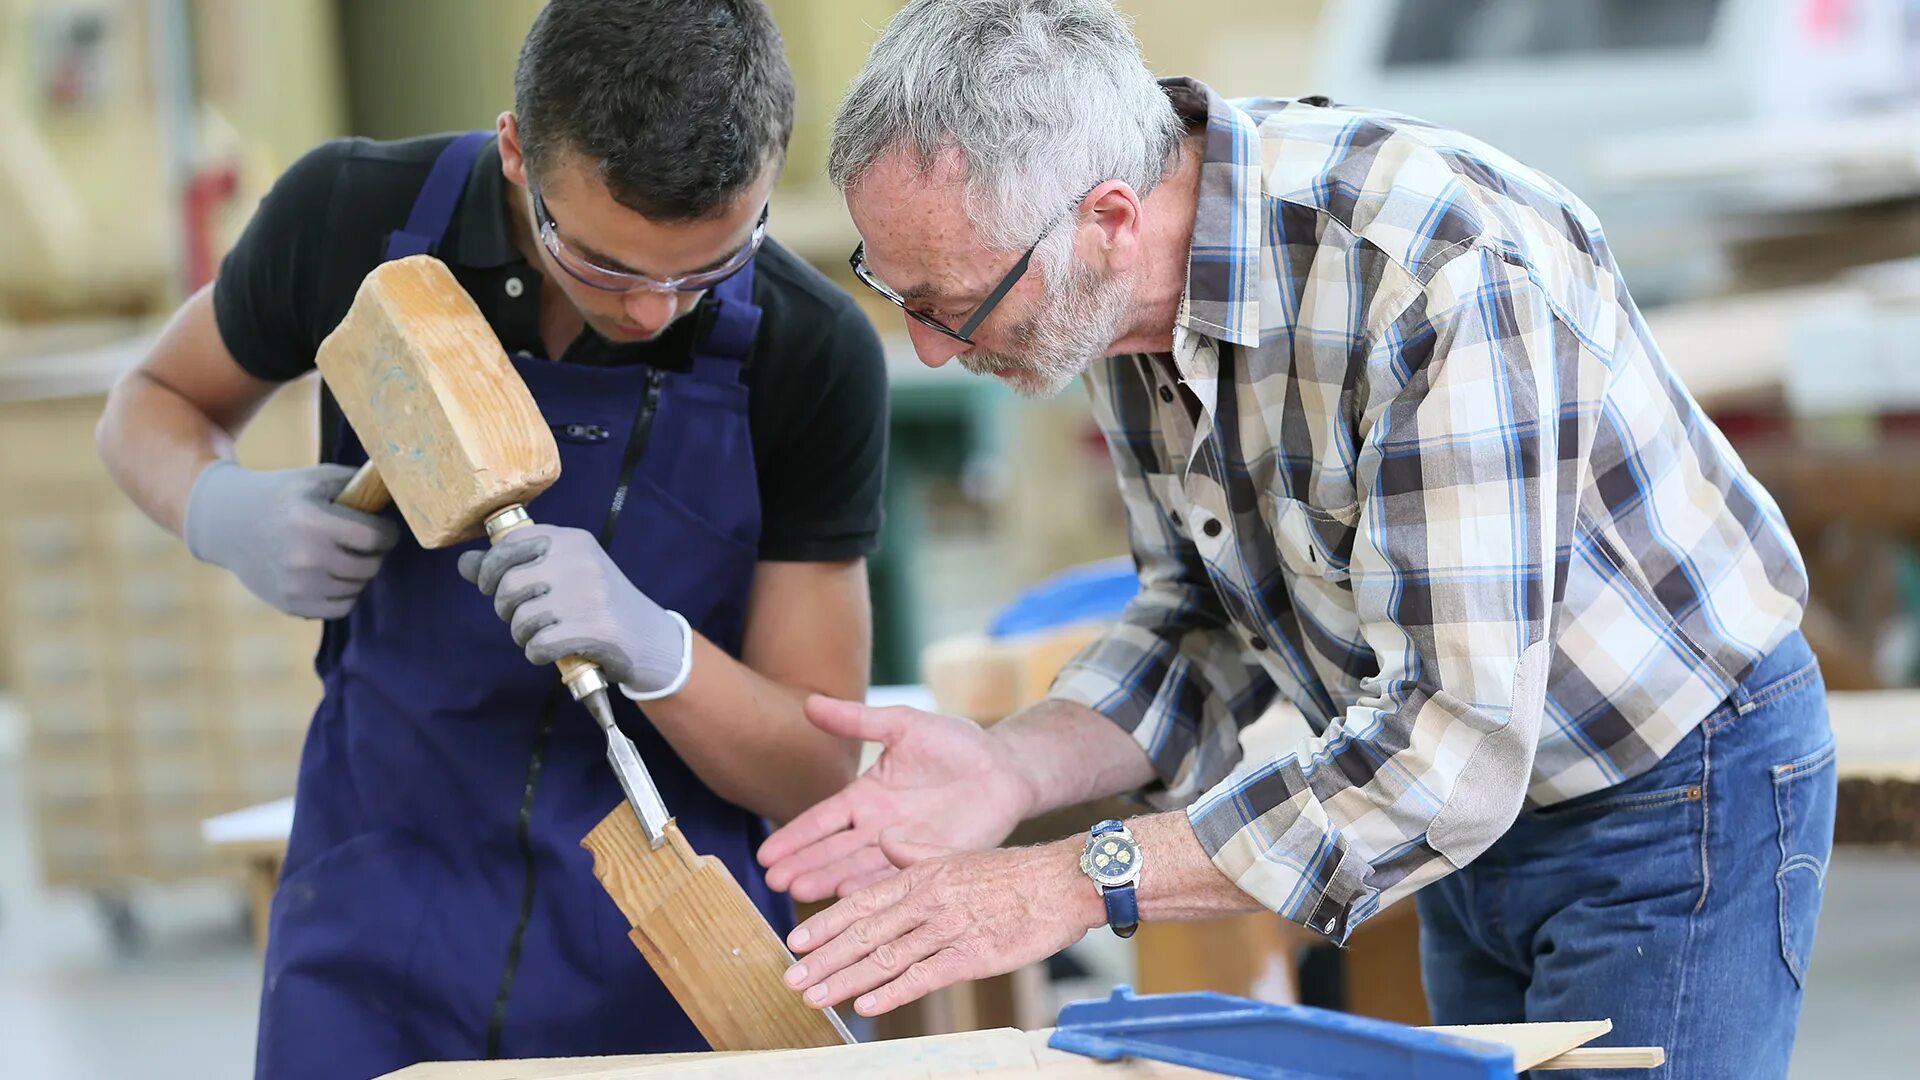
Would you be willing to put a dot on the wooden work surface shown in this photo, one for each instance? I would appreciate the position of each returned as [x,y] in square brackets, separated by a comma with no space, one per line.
[1001,1052]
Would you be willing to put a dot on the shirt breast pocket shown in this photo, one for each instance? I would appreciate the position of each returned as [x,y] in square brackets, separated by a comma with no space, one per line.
[1314,542]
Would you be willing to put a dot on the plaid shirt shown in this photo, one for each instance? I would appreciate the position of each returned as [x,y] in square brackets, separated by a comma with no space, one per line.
[1415,464]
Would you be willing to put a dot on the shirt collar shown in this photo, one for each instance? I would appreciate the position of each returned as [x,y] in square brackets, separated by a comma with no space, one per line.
[1223,262]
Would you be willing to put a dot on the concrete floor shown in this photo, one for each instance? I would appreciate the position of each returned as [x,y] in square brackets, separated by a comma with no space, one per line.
[71,1008]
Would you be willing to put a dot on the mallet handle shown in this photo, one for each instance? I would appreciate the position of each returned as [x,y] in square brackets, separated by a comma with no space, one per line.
[366,492]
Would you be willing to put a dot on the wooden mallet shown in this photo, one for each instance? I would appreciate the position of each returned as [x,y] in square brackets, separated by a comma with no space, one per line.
[455,440]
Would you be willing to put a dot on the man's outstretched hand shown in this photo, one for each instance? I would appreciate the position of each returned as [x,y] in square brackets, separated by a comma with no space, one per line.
[940,780]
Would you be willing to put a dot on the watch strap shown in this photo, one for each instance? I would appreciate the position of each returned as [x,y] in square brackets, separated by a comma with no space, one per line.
[1123,903]
[1123,910]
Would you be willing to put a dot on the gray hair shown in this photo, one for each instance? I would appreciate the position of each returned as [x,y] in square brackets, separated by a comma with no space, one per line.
[1044,100]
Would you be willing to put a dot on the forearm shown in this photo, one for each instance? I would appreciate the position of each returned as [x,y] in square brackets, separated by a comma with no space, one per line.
[745,736]
[177,411]
[1067,753]
[154,443]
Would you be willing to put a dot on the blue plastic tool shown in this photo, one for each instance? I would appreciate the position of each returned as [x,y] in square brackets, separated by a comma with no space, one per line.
[1237,1037]
[1097,590]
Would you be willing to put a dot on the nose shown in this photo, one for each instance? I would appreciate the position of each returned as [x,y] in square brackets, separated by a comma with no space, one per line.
[933,347]
[651,310]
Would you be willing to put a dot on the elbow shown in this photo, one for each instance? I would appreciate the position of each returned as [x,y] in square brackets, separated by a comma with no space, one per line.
[1490,792]
[106,430]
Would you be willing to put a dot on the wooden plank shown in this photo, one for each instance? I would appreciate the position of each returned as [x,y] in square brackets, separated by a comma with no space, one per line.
[1001,1052]
[705,939]
[1606,1057]
[1532,1043]
[539,1068]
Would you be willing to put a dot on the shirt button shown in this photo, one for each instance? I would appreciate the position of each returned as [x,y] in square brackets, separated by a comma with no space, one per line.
[1212,527]
[1166,394]
[1173,516]
[1259,644]
[515,287]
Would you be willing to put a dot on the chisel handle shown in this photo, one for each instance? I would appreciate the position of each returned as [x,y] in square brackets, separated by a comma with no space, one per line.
[581,675]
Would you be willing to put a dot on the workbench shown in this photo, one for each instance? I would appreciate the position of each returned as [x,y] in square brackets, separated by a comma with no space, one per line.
[1131,1037]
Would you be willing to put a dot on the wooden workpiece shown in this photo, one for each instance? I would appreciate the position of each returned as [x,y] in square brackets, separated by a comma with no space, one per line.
[1002,1052]
[446,421]
[705,939]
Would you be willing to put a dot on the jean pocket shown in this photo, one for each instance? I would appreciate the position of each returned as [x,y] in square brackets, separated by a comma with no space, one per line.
[1804,795]
[1612,800]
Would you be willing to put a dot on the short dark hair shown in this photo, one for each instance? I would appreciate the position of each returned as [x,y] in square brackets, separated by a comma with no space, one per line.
[680,104]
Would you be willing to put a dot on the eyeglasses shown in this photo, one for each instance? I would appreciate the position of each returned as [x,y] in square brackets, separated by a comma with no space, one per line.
[593,276]
[964,335]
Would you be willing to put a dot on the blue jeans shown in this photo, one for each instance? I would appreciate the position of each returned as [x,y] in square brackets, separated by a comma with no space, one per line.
[1680,904]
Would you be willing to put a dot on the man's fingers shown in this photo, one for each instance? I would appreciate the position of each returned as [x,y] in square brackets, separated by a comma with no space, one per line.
[515,590]
[827,926]
[352,568]
[506,555]
[852,720]
[887,961]
[855,884]
[812,859]
[358,531]
[863,860]
[528,621]
[329,479]
[816,823]
[943,968]
[469,565]
[902,851]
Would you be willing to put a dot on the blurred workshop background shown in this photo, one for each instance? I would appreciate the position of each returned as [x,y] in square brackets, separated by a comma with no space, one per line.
[1756,163]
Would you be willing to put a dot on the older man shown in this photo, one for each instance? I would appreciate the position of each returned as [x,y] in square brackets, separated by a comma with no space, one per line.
[1396,446]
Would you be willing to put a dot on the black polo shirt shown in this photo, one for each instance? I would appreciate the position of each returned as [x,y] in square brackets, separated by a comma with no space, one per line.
[816,379]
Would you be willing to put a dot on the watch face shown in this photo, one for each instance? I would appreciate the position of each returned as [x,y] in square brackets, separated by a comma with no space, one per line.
[1111,860]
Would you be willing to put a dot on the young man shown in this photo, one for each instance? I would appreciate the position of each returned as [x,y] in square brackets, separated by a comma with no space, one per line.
[721,414]
[1395,444]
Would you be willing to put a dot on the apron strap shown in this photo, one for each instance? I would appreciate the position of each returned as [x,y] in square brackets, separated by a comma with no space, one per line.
[439,198]
[736,322]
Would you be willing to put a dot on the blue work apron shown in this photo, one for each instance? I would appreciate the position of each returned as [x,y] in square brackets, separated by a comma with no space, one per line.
[435,902]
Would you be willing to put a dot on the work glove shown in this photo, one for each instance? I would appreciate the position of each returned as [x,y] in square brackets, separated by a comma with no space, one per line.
[281,534]
[563,596]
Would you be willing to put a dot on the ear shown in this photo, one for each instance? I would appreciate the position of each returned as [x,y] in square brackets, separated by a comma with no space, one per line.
[513,164]
[1109,227]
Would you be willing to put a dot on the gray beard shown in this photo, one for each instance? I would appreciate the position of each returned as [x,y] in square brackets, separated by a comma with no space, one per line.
[1083,317]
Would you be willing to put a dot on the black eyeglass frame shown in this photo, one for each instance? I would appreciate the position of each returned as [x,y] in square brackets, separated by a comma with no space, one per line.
[964,335]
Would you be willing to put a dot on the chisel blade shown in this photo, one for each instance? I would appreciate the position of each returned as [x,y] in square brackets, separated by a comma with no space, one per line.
[631,771]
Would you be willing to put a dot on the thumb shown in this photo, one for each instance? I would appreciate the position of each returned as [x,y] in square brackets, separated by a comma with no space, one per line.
[469,565]
[852,720]
[903,851]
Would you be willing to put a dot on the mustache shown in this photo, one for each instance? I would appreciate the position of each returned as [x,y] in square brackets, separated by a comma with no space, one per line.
[986,363]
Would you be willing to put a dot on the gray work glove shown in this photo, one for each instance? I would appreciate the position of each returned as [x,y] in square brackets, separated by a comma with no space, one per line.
[281,534]
[563,596]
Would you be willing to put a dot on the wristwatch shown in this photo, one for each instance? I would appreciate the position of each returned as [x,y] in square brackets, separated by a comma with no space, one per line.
[1112,859]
